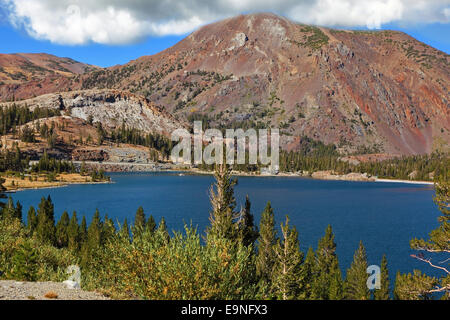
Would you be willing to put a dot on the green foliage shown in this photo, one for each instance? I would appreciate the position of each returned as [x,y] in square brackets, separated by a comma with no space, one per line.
[24,263]
[45,228]
[248,232]
[223,216]
[266,244]
[355,285]
[326,274]
[415,286]
[13,116]
[437,243]
[287,269]
[383,292]
[62,237]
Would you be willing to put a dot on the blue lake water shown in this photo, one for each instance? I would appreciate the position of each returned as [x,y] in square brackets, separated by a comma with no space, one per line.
[385,216]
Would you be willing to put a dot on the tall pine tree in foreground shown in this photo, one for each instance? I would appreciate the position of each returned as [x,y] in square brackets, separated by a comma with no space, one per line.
[222,217]
[383,292]
[355,286]
[73,233]
[46,221]
[248,232]
[267,240]
[139,222]
[327,279]
[31,221]
[61,230]
[288,260]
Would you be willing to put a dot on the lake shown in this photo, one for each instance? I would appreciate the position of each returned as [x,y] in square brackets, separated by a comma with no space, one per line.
[385,216]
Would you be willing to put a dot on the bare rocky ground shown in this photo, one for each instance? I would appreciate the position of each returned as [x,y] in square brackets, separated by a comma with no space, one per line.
[16,290]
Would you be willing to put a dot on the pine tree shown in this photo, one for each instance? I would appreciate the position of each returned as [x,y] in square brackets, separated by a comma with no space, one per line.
[94,232]
[355,286]
[162,232]
[125,230]
[248,232]
[9,210]
[266,244]
[108,230]
[151,224]
[18,211]
[73,233]
[139,222]
[83,231]
[46,221]
[91,246]
[287,269]
[223,204]
[383,292]
[31,221]
[307,275]
[326,269]
[61,230]
[438,243]
[2,194]
[24,263]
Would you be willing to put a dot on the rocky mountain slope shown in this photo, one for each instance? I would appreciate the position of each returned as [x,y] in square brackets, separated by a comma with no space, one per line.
[76,132]
[110,107]
[379,92]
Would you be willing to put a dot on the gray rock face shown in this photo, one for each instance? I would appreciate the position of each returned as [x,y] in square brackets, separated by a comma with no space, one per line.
[110,107]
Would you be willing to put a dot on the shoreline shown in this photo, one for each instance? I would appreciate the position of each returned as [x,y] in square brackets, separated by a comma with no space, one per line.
[66,184]
[185,171]
[293,175]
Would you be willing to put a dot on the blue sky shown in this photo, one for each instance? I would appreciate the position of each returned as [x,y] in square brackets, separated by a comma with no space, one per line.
[106,33]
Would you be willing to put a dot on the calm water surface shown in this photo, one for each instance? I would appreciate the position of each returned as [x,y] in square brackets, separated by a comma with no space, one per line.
[385,216]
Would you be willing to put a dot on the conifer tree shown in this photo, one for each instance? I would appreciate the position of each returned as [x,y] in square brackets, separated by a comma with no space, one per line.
[151,224]
[307,275]
[266,244]
[61,230]
[139,222]
[31,221]
[223,203]
[248,232]
[9,209]
[109,230]
[287,269]
[18,211]
[336,291]
[383,292]
[355,286]
[83,231]
[2,194]
[46,221]
[435,251]
[162,232]
[24,263]
[73,233]
[94,232]
[326,269]
[125,230]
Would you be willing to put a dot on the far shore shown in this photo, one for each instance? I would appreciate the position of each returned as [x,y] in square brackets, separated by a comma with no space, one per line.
[78,179]
[405,181]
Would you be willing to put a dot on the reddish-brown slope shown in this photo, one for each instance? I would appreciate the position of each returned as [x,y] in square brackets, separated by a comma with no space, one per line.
[382,90]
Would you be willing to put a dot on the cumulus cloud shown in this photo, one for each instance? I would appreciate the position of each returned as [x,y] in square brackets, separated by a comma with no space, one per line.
[119,22]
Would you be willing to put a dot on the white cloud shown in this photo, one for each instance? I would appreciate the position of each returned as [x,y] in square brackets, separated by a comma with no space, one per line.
[119,22]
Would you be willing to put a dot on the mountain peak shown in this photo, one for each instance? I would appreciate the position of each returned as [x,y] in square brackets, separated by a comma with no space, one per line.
[363,91]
